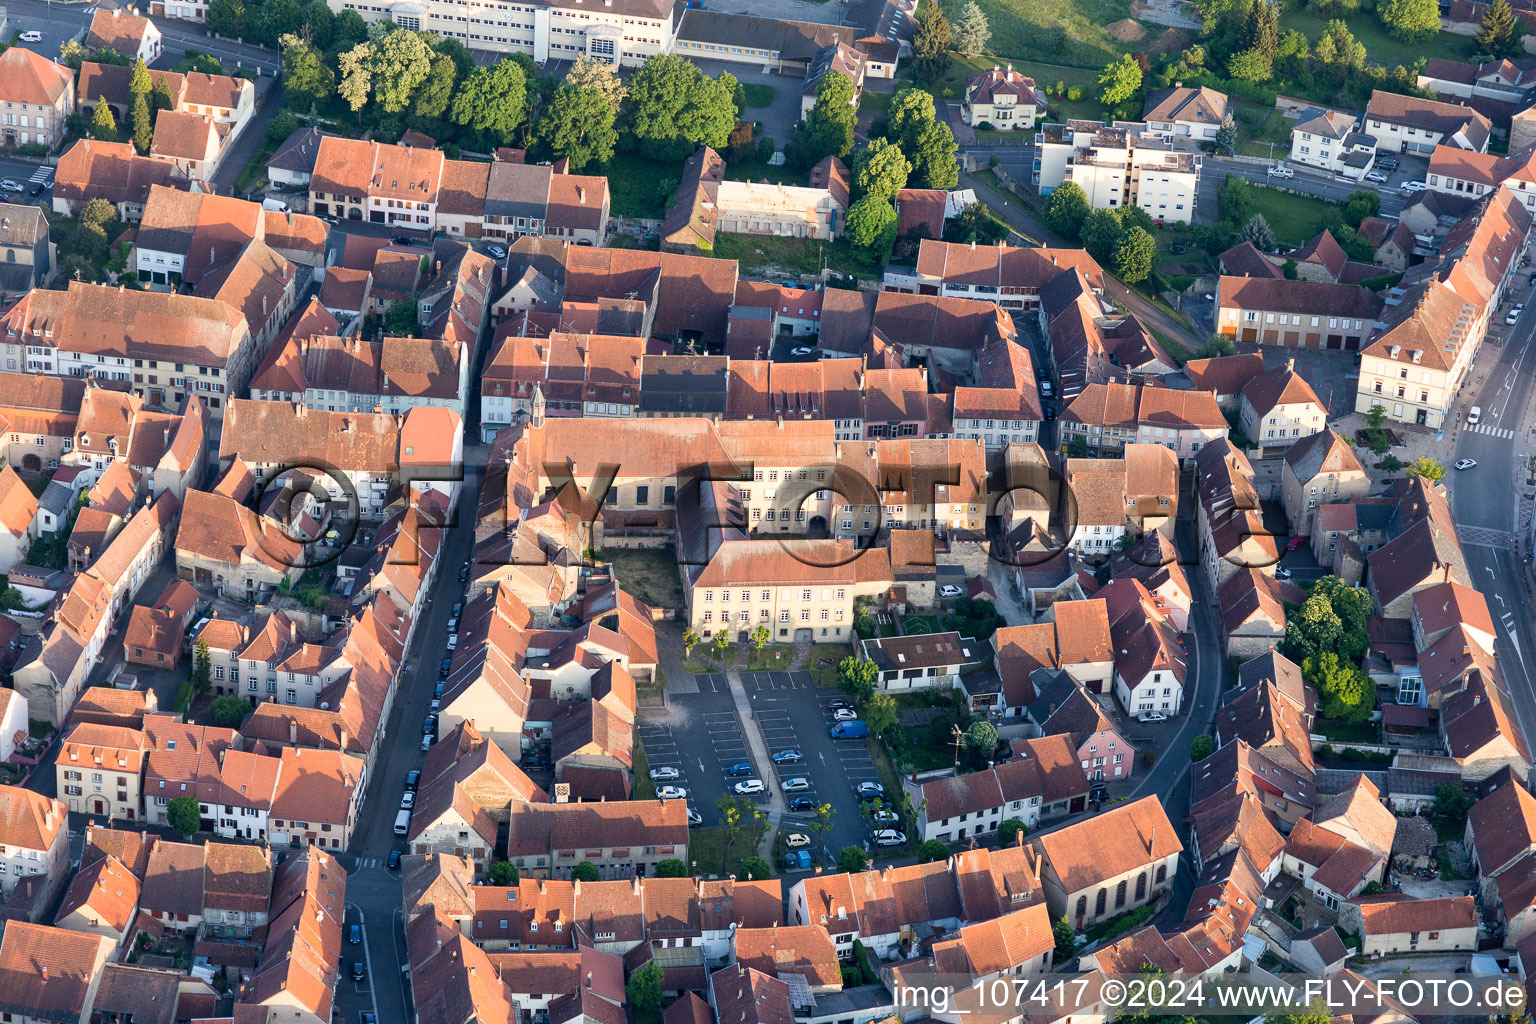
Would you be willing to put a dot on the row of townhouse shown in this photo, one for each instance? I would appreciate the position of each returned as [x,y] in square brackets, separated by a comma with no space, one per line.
[1108,417]
[1346,145]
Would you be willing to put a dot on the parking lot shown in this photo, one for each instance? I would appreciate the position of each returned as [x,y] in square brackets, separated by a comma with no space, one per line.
[701,738]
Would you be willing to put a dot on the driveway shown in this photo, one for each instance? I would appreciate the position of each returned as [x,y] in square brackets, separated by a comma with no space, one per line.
[780,117]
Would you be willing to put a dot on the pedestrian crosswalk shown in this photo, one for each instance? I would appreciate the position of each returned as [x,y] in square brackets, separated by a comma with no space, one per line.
[369,862]
[1491,430]
[41,176]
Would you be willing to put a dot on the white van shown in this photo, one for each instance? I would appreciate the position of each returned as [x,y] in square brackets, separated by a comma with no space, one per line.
[402,823]
[276,205]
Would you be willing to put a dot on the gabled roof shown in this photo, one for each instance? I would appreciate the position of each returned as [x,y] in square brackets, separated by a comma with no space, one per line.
[27,77]
[1113,843]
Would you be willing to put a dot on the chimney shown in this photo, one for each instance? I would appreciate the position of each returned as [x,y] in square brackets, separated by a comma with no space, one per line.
[634,884]
[293,732]
[1447,572]
[576,887]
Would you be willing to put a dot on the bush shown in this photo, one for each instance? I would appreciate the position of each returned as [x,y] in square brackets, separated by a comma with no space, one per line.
[1075,93]
[984,126]
[32,149]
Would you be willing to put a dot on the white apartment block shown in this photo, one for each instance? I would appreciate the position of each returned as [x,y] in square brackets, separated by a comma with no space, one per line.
[622,32]
[1124,163]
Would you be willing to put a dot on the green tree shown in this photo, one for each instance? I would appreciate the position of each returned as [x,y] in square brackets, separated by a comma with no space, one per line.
[431,98]
[1452,802]
[72,54]
[228,712]
[880,713]
[598,75]
[690,640]
[1313,628]
[356,75]
[586,871]
[755,869]
[139,83]
[857,677]
[1066,210]
[975,223]
[226,18]
[671,868]
[503,873]
[1201,747]
[162,96]
[981,736]
[760,638]
[970,31]
[827,129]
[202,675]
[579,124]
[1258,231]
[138,117]
[307,78]
[103,124]
[674,108]
[911,112]
[350,30]
[1411,21]
[1136,255]
[1226,137]
[1120,80]
[852,859]
[275,18]
[721,641]
[880,169]
[398,63]
[183,815]
[1317,1013]
[933,158]
[1427,468]
[1502,34]
[1100,235]
[644,986]
[1345,692]
[931,851]
[872,225]
[930,43]
[493,100]
[821,825]
[1362,203]
[1065,937]
[401,319]
[1009,830]
[320,23]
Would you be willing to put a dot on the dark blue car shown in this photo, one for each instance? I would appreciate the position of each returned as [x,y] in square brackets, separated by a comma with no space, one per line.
[355,935]
[802,803]
[739,770]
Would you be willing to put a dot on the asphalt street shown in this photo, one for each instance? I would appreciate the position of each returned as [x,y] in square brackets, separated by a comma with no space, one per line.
[59,22]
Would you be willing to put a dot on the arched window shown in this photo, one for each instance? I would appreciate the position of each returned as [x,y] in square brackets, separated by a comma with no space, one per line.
[1098,908]
[1120,894]
[1082,907]
[1141,887]
[1162,873]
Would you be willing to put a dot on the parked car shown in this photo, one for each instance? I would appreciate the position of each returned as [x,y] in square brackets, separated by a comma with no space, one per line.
[444,667]
[1295,543]
[1414,186]
[33,36]
[435,706]
[1282,572]
[358,974]
[890,837]
[1512,318]
[464,574]
[839,704]
[407,800]
[429,725]
[1046,388]
[11,185]
[1387,163]
[802,350]
[739,770]
[1151,716]
[412,780]
[950,590]
[393,863]
[695,819]
[845,715]
[496,252]
[787,757]
[797,839]
[1281,171]
[870,789]
[1050,412]
[671,793]
[884,817]
[802,803]
[402,240]
[426,743]
[1474,415]
[453,641]
[748,787]
[795,785]
[1376,177]
[437,691]
[355,934]
[665,774]
[848,730]
[38,189]
[1465,463]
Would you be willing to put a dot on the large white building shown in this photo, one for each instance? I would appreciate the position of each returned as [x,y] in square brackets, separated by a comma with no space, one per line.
[1124,163]
[623,32]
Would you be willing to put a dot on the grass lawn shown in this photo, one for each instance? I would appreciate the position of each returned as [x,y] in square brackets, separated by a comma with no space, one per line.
[774,254]
[1294,219]
[639,187]
[649,574]
[644,788]
[824,659]
[871,100]
[773,658]
[965,66]
[1071,32]
[1277,129]
[758,95]
[1178,353]
[1341,733]
[919,624]
[1380,47]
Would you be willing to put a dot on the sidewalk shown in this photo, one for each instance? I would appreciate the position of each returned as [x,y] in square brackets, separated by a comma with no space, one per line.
[751,730]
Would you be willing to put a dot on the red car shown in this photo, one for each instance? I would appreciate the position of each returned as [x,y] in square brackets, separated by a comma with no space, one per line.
[1295,542]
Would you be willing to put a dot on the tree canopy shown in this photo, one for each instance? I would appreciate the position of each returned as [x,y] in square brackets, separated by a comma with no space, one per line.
[872,225]
[1119,81]
[1412,21]
[1066,209]
[578,123]
[828,127]
[493,100]
[880,169]
[675,108]
[183,815]
[970,32]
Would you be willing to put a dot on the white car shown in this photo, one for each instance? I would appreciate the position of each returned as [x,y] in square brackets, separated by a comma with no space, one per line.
[407,801]
[1512,318]
[950,590]
[1414,186]
[426,742]
[845,715]
[496,252]
[748,787]
[12,185]
[1376,176]
[802,350]
[695,819]
[1281,171]
[1474,415]
[1151,716]
[665,774]
[453,642]
[797,839]
[1465,463]
[870,789]
[671,793]
[890,837]
[795,785]
[32,37]
[884,817]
